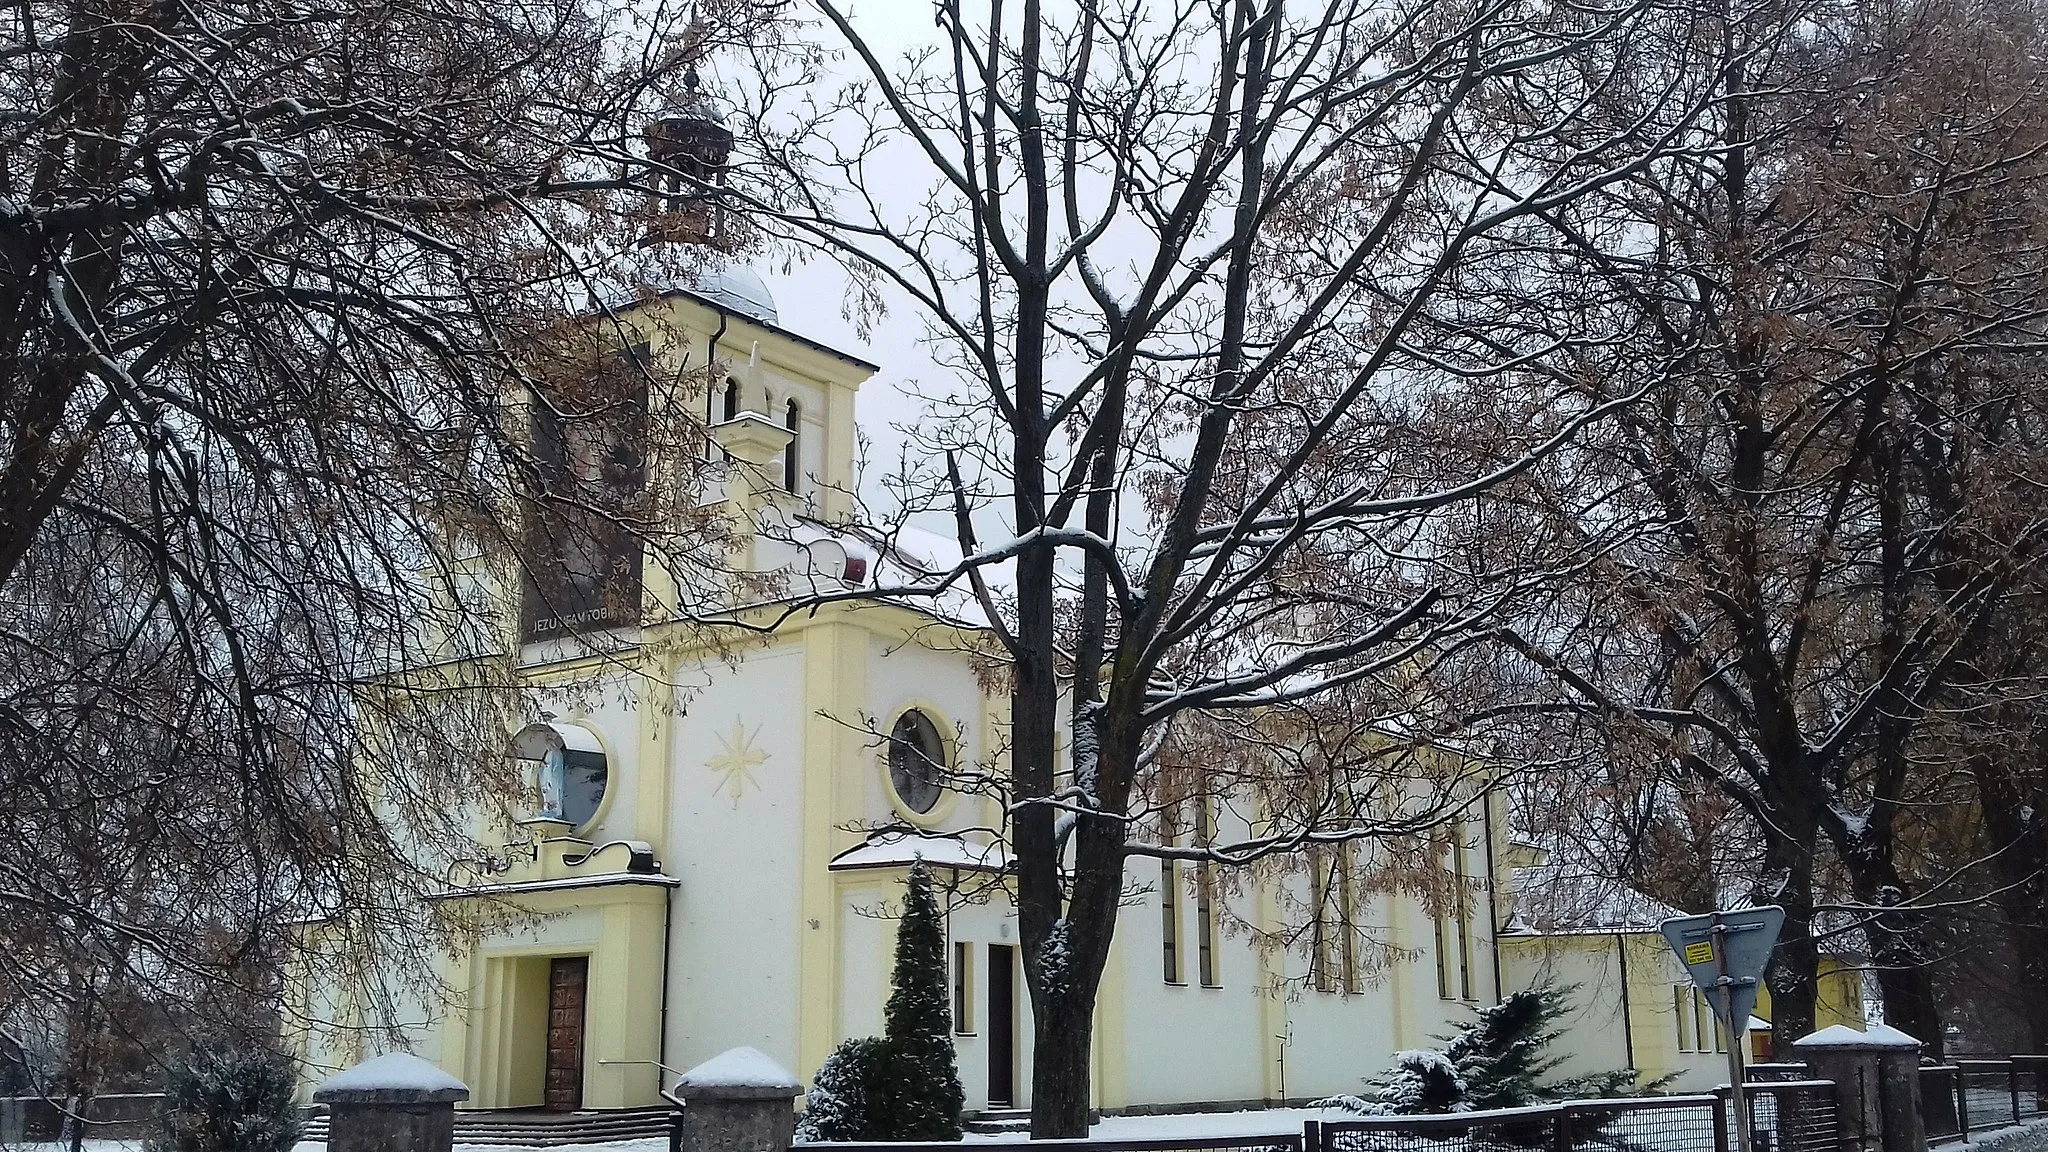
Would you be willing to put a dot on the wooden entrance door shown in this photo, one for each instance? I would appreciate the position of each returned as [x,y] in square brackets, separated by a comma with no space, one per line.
[1002,1025]
[568,977]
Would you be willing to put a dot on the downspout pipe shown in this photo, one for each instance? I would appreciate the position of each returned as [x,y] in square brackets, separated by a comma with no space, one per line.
[668,916]
[1628,1030]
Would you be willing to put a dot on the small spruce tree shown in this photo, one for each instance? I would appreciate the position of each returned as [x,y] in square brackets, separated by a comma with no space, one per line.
[922,1098]
[1500,1061]
[228,1098]
[1501,1057]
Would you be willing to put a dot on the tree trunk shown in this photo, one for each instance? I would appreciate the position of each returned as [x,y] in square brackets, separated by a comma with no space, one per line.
[1794,969]
[2011,795]
[1898,943]
[1063,1036]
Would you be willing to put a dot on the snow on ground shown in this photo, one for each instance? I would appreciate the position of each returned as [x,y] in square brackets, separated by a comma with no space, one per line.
[650,1144]
[2024,1138]
[1257,1122]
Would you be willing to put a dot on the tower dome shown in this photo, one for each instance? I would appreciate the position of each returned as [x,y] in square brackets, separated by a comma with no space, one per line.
[740,289]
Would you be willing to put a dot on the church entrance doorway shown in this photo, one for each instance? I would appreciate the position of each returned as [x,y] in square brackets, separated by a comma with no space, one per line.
[1002,1025]
[568,979]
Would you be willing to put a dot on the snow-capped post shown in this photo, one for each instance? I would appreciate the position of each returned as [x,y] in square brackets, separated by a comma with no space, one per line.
[1877,1086]
[740,1100]
[391,1103]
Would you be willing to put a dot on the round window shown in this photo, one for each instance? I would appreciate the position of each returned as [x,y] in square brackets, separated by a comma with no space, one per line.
[917,761]
[571,773]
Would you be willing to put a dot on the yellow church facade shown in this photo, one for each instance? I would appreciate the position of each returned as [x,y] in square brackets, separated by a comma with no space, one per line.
[719,836]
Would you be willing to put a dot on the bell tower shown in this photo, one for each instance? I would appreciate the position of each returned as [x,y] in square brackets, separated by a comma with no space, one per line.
[688,151]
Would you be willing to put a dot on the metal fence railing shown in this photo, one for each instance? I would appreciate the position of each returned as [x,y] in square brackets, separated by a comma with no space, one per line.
[1636,1124]
[1994,1093]
[1280,1142]
[1790,1115]
[1938,1111]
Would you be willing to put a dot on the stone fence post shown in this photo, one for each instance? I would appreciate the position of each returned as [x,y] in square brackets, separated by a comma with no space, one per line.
[391,1103]
[1877,1086]
[737,1101]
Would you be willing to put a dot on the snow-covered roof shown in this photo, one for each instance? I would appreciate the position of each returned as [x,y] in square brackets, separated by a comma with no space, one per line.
[1550,899]
[737,288]
[739,1072]
[897,848]
[392,1074]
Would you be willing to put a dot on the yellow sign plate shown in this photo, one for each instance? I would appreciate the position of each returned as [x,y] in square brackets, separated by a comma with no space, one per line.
[1700,953]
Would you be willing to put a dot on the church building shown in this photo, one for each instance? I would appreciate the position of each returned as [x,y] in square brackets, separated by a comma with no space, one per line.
[718,837]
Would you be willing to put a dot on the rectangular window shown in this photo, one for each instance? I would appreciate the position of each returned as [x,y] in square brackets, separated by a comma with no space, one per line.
[1347,919]
[1169,918]
[1205,902]
[1319,942]
[1701,1021]
[1681,1016]
[1205,926]
[1443,952]
[1461,903]
[963,988]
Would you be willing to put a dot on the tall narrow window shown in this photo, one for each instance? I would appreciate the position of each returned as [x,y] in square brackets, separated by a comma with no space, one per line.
[1439,910]
[1347,902]
[1205,901]
[1699,1021]
[1169,918]
[963,988]
[1319,976]
[1461,903]
[1681,1015]
[732,399]
[1347,920]
[792,419]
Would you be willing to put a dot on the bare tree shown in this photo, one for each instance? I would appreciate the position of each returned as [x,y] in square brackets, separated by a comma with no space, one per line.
[281,286]
[1174,253]
[1777,607]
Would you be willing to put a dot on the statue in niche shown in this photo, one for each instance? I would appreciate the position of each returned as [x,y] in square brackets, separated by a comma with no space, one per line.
[553,781]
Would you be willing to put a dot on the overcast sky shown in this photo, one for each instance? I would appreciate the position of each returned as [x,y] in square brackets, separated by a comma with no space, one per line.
[811,297]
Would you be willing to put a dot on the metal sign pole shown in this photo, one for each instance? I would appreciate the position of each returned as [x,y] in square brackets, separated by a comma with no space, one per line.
[1738,1099]
[1726,954]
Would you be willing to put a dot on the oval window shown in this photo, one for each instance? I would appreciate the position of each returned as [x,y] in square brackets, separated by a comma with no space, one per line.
[571,772]
[917,761]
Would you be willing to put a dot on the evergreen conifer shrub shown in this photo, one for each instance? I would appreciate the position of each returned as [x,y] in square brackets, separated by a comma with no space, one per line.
[902,1085]
[228,1098]
[1501,1060]
[836,1107]
[922,1098]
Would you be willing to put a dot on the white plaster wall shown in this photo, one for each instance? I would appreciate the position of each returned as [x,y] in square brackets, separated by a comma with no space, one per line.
[991,921]
[1335,1042]
[733,943]
[1595,1038]
[1226,1059]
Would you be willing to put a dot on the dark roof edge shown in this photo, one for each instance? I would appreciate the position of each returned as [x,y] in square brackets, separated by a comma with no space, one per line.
[771,326]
